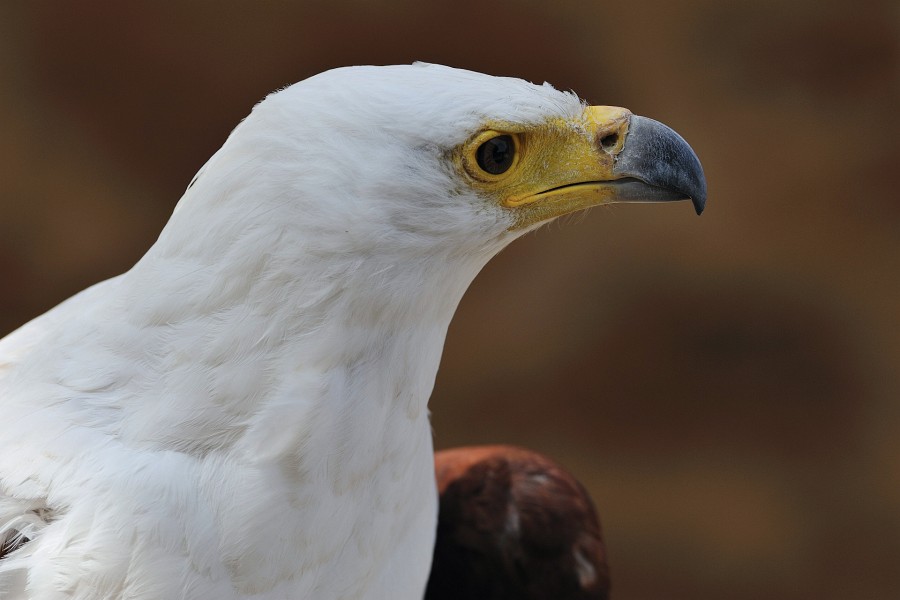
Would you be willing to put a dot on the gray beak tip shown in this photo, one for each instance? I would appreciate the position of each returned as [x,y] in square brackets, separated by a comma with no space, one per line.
[699,200]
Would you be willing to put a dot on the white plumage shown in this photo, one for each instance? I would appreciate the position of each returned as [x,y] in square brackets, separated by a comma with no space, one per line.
[243,413]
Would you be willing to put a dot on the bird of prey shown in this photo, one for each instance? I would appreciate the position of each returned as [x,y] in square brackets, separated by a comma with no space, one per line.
[243,414]
[514,525]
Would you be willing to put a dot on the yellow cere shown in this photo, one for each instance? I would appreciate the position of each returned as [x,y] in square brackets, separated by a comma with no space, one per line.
[560,166]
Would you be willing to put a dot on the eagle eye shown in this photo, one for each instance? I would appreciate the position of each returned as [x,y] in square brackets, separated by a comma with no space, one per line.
[495,156]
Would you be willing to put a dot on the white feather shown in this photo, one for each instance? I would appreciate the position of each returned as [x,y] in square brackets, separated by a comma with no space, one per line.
[244,413]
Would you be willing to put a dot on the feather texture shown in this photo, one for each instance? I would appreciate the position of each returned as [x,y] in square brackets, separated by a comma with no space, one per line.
[243,413]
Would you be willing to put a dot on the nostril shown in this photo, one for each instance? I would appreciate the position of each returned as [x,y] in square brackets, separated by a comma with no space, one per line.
[609,141]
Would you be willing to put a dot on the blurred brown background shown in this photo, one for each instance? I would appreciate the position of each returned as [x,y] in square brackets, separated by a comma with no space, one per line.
[726,385]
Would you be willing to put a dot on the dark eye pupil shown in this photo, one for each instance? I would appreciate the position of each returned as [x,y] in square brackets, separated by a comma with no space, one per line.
[495,156]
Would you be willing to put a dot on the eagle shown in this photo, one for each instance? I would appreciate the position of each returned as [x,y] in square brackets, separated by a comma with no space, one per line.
[243,413]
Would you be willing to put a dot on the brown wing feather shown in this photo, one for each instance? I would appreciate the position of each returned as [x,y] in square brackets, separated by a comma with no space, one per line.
[513,524]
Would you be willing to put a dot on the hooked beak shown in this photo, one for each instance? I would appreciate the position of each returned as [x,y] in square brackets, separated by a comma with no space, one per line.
[657,165]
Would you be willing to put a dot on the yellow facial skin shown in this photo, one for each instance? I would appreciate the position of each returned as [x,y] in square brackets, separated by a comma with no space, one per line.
[578,154]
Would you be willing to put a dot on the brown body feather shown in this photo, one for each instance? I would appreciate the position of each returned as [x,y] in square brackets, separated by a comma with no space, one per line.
[513,524]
